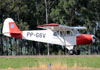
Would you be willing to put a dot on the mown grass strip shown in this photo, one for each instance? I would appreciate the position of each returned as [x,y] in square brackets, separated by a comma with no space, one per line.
[93,62]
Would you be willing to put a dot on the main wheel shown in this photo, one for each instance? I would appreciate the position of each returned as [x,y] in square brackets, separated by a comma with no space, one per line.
[71,52]
[77,52]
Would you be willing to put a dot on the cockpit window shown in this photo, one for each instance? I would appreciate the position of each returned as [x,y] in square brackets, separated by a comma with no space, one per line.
[63,33]
[68,33]
[75,31]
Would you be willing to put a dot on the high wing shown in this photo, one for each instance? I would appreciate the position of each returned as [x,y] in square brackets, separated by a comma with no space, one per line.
[56,27]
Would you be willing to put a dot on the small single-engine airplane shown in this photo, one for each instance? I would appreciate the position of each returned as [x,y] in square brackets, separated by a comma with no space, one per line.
[50,33]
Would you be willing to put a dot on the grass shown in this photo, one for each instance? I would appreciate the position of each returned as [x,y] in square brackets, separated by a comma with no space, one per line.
[93,62]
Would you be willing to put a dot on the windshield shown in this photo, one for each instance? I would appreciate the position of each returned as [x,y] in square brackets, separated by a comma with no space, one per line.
[76,31]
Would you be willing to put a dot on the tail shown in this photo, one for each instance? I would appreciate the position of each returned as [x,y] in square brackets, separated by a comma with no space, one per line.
[10,29]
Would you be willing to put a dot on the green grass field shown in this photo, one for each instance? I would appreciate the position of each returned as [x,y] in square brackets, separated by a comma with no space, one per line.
[93,62]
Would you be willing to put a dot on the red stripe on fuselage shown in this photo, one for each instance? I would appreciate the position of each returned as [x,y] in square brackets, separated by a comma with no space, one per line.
[14,30]
[84,39]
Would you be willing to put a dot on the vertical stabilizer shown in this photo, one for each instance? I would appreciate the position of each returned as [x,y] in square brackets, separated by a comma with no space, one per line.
[10,29]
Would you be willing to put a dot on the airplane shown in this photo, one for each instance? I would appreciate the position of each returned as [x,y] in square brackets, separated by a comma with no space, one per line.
[50,33]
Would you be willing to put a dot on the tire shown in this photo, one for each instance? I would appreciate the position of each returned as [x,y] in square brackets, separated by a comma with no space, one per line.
[77,52]
[71,52]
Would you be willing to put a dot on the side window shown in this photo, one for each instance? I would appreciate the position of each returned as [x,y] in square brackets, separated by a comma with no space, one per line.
[69,33]
[61,33]
[55,34]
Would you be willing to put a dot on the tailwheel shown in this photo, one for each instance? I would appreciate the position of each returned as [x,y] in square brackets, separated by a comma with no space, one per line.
[71,52]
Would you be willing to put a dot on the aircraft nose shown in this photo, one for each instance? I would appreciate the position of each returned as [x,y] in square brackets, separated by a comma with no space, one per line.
[85,39]
[93,38]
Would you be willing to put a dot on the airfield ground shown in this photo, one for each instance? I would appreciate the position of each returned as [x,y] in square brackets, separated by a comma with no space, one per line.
[82,62]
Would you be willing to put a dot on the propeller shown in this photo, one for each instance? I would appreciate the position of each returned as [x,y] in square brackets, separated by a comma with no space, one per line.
[94,39]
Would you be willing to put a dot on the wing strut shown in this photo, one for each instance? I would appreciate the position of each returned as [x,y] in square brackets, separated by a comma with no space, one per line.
[69,47]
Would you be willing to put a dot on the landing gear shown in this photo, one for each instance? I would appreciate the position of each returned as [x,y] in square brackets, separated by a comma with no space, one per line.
[77,52]
[72,52]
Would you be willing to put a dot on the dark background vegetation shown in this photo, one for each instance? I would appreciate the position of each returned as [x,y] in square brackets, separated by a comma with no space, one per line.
[30,13]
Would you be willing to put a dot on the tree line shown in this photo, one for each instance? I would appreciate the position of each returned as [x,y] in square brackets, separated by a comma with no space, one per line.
[30,13]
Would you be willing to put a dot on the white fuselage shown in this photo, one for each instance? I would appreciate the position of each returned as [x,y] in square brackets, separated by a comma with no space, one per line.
[48,36]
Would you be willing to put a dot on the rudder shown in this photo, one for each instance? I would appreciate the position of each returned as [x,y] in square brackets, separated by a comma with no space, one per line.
[10,29]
